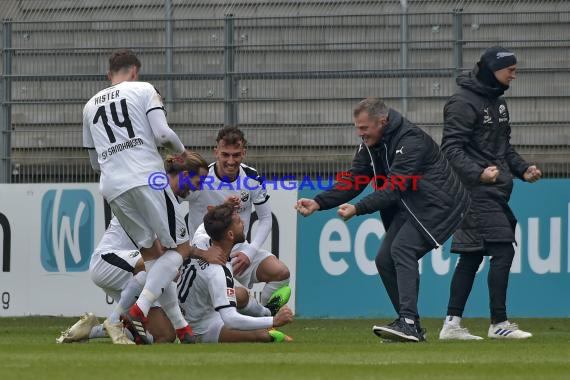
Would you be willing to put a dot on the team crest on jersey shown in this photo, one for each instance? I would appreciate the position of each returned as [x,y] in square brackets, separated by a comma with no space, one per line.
[134,254]
[244,196]
[182,231]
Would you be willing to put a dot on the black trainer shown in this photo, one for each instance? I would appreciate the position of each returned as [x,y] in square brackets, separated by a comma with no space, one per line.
[421,331]
[398,330]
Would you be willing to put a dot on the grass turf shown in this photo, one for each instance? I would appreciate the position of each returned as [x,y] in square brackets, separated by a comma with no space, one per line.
[323,349]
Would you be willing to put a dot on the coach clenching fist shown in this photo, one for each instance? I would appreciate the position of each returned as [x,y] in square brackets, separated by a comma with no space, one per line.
[420,208]
[306,206]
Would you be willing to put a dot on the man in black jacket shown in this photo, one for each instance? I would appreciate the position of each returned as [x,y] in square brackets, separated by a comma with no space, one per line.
[476,141]
[421,199]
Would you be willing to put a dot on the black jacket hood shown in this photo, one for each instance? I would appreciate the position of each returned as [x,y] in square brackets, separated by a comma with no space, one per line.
[471,81]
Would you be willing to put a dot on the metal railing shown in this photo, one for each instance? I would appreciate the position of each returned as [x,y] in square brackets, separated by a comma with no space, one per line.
[289,82]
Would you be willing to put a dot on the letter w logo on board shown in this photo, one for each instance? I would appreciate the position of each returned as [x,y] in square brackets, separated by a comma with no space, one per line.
[67,230]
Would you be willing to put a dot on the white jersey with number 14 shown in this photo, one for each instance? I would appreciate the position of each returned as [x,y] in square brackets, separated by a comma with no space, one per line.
[115,123]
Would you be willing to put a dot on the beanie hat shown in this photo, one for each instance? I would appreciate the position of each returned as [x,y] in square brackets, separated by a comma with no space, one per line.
[497,58]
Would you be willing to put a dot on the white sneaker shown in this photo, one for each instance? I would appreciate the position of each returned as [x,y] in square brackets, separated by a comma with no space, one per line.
[449,331]
[507,330]
[79,332]
[116,332]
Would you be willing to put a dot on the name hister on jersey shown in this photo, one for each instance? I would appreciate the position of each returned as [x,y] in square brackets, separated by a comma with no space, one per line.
[115,124]
[247,186]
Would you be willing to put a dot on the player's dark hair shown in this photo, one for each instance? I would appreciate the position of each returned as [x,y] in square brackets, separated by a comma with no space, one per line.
[218,220]
[188,161]
[231,136]
[123,59]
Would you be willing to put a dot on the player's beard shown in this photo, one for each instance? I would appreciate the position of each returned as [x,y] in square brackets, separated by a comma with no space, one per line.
[239,238]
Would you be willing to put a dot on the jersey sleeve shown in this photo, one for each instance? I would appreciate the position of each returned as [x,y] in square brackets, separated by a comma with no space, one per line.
[201,239]
[259,195]
[255,181]
[264,225]
[221,287]
[234,320]
[154,100]
[87,137]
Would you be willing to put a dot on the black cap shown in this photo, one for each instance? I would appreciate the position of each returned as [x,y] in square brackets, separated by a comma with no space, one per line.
[497,58]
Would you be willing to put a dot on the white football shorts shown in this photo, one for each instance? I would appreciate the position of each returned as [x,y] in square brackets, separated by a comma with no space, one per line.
[111,270]
[249,277]
[147,214]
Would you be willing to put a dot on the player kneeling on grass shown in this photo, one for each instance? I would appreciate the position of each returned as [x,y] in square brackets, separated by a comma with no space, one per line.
[207,295]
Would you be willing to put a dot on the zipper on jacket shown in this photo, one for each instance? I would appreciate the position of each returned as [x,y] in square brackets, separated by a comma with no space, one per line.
[437,245]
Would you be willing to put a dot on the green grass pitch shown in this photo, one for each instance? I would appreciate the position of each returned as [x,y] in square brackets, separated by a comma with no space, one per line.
[323,349]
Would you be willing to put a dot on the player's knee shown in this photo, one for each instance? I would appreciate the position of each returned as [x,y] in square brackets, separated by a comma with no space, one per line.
[283,273]
[271,269]
[242,297]
[278,272]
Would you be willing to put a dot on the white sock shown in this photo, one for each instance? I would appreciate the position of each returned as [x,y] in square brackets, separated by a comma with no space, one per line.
[271,287]
[254,309]
[129,296]
[169,303]
[97,332]
[452,320]
[158,278]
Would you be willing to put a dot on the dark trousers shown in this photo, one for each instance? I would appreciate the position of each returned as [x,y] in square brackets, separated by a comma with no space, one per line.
[397,264]
[502,255]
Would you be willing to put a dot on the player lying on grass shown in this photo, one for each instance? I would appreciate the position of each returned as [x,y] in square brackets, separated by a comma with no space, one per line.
[208,297]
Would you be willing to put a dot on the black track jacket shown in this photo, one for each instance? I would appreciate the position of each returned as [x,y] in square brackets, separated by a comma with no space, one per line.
[437,204]
[476,135]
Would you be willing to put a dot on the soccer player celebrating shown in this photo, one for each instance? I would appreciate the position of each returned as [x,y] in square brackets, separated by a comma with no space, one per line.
[117,267]
[208,297]
[228,177]
[122,126]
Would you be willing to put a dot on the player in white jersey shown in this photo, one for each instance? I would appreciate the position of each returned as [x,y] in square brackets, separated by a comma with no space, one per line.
[207,294]
[117,267]
[228,177]
[122,127]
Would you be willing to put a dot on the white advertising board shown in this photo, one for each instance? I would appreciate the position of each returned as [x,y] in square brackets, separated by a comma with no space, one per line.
[47,235]
[52,232]
[284,232]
